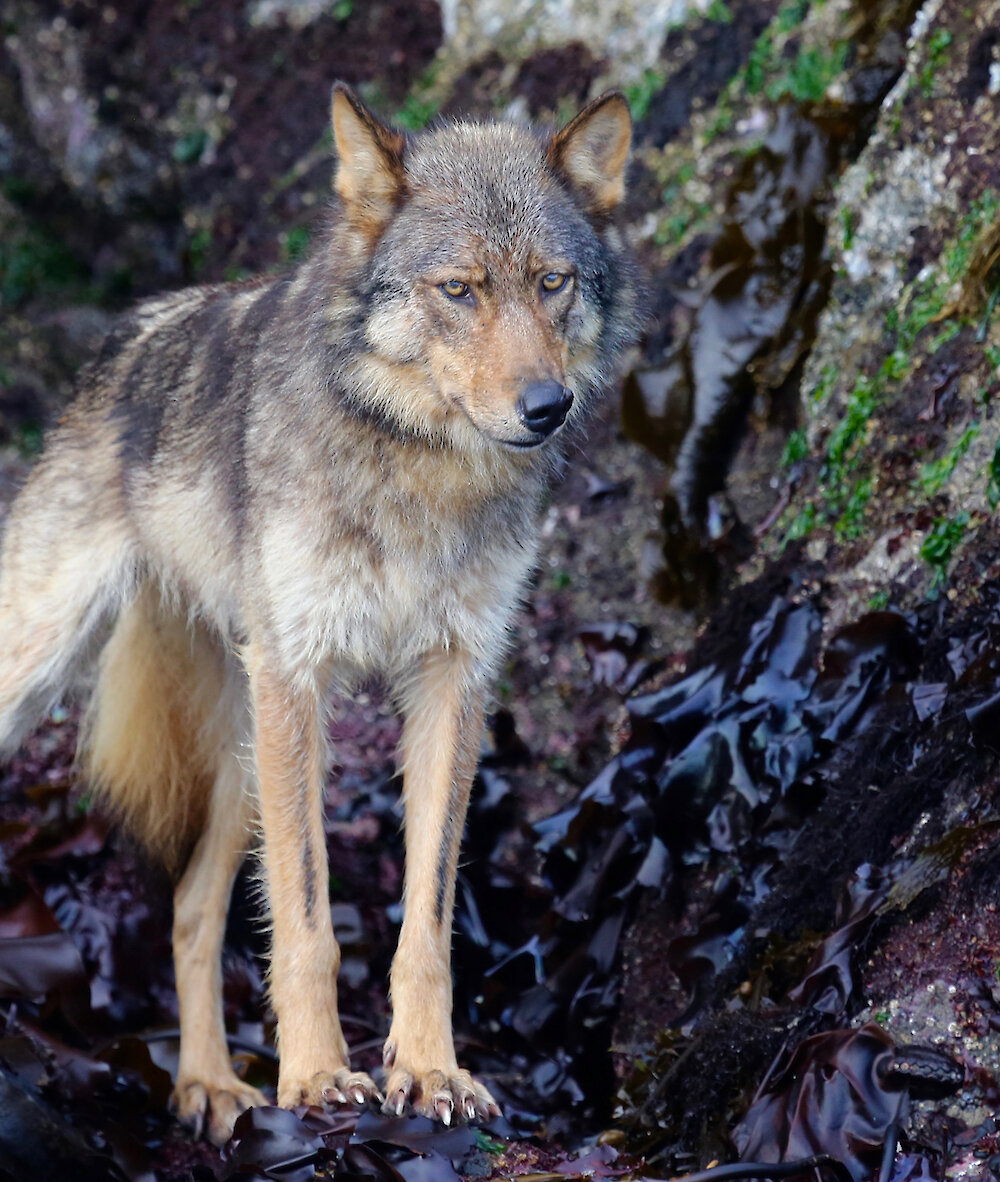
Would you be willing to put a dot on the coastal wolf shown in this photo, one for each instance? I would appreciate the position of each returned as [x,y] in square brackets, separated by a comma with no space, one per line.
[270,488]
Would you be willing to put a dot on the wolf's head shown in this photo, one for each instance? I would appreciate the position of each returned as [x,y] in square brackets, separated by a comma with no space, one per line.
[495,293]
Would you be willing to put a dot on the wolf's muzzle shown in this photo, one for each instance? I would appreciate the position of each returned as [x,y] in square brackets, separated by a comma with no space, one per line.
[544,406]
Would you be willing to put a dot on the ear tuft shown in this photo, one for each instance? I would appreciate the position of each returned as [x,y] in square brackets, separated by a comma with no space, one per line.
[591,152]
[370,174]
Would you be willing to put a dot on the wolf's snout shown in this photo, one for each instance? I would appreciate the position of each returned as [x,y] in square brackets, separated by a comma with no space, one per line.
[544,406]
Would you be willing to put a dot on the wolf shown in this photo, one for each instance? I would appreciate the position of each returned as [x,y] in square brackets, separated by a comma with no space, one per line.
[268,489]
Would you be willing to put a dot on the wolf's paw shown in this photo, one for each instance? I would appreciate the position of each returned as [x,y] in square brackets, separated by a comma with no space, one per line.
[210,1109]
[329,1087]
[450,1097]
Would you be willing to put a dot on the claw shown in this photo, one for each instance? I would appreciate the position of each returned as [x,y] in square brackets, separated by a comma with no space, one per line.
[333,1096]
[400,1102]
[470,1108]
[359,1096]
[388,1054]
[444,1108]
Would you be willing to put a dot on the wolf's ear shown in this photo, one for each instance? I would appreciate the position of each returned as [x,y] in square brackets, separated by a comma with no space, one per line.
[370,173]
[591,152]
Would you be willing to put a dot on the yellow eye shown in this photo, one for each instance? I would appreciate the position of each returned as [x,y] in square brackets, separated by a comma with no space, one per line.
[456,289]
[554,281]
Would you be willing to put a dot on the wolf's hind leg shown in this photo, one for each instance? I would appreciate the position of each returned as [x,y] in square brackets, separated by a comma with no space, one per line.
[208,1095]
[161,743]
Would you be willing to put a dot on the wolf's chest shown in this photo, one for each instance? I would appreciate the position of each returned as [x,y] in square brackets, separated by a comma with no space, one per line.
[376,603]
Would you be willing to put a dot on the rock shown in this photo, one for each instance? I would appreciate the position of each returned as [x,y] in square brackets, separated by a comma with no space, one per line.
[630,32]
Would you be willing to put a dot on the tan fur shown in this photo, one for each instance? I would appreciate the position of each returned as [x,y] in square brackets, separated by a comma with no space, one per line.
[269,487]
[159,722]
[444,722]
[208,1095]
[593,149]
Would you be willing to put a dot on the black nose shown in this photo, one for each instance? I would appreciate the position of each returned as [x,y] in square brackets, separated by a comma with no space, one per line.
[544,406]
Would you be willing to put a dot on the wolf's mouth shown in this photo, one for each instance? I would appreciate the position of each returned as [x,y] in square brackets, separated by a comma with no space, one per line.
[513,444]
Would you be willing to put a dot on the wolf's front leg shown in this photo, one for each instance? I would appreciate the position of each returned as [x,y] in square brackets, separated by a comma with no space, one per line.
[444,720]
[305,957]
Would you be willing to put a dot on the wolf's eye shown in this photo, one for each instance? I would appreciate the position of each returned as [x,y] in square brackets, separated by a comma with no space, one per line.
[456,289]
[554,281]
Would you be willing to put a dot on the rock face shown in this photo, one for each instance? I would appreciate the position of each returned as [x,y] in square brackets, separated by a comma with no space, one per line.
[629,32]
[898,391]
[806,473]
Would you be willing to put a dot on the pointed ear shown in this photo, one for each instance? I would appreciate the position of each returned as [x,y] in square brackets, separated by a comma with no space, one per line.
[591,152]
[370,174]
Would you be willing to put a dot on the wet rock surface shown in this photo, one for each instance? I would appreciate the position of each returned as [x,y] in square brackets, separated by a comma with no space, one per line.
[731,877]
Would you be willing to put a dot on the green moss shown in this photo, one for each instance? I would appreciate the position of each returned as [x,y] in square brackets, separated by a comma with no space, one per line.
[790,15]
[846,481]
[802,524]
[764,71]
[927,298]
[878,601]
[821,391]
[847,220]
[487,1144]
[951,330]
[846,490]
[681,214]
[199,244]
[937,51]
[926,302]
[809,74]
[934,476]
[993,480]
[295,243]
[941,542]
[641,93]
[895,366]
[796,448]
[850,524]
[29,439]
[982,215]
[422,103]
[34,263]
[765,56]
[720,12]
[676,226]
[850,430]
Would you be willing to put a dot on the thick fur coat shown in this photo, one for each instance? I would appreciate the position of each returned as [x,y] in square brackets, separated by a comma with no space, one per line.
[266,488]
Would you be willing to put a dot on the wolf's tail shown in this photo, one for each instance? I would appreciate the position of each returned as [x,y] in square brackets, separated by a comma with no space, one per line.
[66,562]
[169,708]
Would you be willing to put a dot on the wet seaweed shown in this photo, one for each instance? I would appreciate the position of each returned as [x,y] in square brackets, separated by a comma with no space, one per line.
[701,813]
[756,317]
[716,772]
[766,278]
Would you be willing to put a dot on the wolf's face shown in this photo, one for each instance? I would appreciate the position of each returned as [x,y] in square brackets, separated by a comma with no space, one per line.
[490,284]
